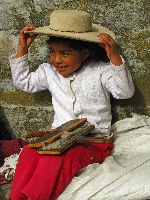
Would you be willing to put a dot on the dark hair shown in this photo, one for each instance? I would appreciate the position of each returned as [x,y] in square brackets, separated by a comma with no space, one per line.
[96,52]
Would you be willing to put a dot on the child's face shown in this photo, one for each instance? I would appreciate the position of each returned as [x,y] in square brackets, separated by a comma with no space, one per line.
[65,59]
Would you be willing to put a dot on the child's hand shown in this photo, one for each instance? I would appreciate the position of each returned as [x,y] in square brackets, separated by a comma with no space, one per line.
[25,40]
[108,43]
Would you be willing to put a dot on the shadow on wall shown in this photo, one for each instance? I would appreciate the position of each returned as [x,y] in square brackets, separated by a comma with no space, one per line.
[135,104]
[6,131]
[43,98]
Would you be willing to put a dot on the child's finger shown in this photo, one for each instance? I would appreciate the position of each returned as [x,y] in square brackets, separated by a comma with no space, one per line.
[102,45]
[108,41]
[107,35]
[27,28]
[105,41]
[101,40]
[106,38]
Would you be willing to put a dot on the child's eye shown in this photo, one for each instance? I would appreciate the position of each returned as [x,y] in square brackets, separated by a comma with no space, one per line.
[65,53]
[51,52]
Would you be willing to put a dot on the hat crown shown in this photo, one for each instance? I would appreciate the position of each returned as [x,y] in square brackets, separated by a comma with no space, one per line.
[70,21]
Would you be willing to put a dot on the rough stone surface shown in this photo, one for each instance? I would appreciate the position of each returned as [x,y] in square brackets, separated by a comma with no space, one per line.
[28,118]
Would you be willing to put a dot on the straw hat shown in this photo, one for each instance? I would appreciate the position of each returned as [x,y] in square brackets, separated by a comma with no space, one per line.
[73,24]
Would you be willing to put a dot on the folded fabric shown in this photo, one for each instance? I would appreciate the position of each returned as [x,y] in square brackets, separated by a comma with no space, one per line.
[122,176]
[9,153]
[9,147]
[8,169]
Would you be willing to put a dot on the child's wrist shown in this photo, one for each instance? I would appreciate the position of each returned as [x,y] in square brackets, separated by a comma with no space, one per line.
[116,59]
[21,51]
[25,49]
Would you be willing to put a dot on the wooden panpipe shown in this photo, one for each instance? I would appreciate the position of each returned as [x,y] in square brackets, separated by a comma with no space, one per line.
[56,141]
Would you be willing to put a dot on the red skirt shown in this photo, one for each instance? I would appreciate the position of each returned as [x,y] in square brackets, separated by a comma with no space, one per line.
[44,177]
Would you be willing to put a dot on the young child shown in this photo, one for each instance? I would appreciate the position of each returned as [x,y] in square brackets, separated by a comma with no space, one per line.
[80,86]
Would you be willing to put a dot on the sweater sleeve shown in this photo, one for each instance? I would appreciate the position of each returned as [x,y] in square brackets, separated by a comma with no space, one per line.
[118,81]
[24,79]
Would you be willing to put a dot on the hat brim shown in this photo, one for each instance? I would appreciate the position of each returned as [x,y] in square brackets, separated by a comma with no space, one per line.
[85,36]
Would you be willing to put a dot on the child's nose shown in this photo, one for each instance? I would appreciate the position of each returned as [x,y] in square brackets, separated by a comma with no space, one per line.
[58,58]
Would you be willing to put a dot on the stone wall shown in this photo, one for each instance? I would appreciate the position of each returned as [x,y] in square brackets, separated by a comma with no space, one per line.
[129,19]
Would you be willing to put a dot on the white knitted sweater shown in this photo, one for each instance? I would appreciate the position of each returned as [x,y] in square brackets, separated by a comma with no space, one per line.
[86,93]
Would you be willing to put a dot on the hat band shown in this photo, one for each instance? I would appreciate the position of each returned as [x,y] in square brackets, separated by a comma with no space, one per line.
[69,31]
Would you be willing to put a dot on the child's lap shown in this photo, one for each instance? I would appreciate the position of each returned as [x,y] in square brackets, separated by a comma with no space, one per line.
[81,152]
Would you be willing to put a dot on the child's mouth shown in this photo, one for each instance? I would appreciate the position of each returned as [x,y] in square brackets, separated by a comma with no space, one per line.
[61,69]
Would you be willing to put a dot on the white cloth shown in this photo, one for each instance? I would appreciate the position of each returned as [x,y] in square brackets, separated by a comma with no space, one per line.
[8,169]
[123,176]
[83,94]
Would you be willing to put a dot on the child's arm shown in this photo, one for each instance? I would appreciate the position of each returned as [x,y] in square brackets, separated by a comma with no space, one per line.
[108,43]
[25,41]
[118,79]
[22,77]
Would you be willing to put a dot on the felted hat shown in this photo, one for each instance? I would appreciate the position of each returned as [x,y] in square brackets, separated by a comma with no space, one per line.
[73,24]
